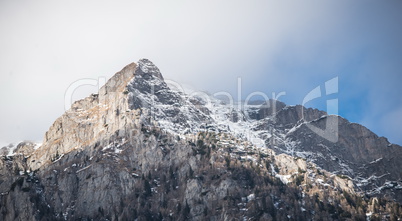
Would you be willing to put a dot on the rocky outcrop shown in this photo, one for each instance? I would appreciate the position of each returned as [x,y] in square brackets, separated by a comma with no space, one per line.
[368,159]
[138,150]
[25,148]
[155,176]
[88,120]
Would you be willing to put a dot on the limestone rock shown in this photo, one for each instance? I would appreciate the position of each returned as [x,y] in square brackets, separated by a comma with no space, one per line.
[138,150]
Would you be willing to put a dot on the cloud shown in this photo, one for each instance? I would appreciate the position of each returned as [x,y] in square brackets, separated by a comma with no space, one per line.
[273,46]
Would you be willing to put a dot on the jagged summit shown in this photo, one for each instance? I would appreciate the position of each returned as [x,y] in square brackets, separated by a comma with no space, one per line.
[140,150]
[144,69]
[139,95]
[147,67]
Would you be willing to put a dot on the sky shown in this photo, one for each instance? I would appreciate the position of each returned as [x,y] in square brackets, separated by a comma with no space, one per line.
[272,46]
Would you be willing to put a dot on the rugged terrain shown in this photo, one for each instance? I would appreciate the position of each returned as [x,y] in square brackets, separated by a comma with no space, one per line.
[142,149]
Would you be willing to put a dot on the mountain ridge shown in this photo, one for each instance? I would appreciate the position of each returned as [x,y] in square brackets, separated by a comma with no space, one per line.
[137,130]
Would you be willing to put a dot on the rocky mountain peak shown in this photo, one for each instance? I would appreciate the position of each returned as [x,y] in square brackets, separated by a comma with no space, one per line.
[138,150]
[146,67]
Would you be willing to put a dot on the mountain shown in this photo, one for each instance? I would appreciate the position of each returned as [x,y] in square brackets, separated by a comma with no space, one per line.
[141,149]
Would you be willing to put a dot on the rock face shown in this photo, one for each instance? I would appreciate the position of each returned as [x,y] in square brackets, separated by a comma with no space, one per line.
[371,161]
[88,120]
[141,151]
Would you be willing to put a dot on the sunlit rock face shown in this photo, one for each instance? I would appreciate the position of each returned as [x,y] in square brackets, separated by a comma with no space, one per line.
[139,150]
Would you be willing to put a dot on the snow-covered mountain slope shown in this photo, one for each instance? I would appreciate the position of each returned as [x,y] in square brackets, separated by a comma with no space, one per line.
[138,95]
[139,133]
[270,126]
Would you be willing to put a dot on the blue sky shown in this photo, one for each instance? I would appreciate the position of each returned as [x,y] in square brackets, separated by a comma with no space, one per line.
[274,46]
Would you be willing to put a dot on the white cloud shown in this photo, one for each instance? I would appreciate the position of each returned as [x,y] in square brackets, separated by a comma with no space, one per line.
[274,46]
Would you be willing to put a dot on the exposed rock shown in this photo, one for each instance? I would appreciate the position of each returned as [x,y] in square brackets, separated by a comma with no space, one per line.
[25,148]
[141,151]
[89,120]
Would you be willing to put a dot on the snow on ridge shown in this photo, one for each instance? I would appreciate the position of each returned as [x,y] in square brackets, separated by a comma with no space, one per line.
[230,118]
[13,146]
[376,161]
[219,115]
